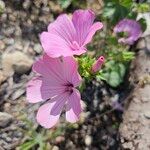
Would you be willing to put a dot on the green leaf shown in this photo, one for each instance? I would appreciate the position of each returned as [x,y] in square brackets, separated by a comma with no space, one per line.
[114,79]
[116,10]
[143,24]
[108,10]
[128,56]
[28,145]
[2,7]
[103,76]
[122,70]
[65,3]
[143,7]
[126,3]
[112,40]
[109,64]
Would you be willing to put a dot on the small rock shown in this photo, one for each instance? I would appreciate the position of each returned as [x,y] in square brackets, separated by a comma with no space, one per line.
[38,48]
[59,139]
[2,6]
[55,148]
[88,140]
[18,134]
[16,62]
[5,119]
[8,139]
[18,45]
[2,77]
[26,4]
[17,94]
[145,99]
[147,44]
[9,41]
[128,145]
[147,114]
[115,98]
[141,44]
[2,45]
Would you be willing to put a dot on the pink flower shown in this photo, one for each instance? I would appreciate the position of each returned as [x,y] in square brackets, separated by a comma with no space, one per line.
[97,65]
[131,27]
[56,88]
[66,37]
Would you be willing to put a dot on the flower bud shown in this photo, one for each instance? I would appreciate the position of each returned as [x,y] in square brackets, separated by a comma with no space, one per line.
[97,65]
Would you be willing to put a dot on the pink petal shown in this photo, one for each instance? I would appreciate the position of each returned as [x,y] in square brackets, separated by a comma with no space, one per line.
[96,26]
[54,45]
[97,65]
[64,28]
[132,28]
[39,89]
[70,71]
[73,109]
[82,20]
[58,71]
[49,113]
[33,90]
[51,69]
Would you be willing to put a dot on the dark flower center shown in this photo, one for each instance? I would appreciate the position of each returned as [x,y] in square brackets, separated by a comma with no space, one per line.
[69,88]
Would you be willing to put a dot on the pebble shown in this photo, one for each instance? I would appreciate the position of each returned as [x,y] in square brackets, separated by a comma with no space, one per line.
[115,98]
[141,44]
[18,134]
[26,4]
[88,140]
[55,148]
[59,139]
[8,139]
[147,114]
[147,39]
[2,45]
[2,6]
[38,48]
[2,77]
[5,119]
[17,62]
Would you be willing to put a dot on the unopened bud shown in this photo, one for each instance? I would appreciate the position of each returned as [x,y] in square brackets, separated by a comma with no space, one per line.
[97,65]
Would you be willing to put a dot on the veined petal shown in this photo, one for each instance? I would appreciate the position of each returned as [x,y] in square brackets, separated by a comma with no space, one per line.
[49,113]
[55,46]
[96,26]
[82,20]
[73,108]
[64,28]
[70,71]
[39,89]
[58,72]
[51,69]
[33,90]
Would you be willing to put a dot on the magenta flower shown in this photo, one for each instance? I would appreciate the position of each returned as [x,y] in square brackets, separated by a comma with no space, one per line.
[56,87]
[66,37]
[131,27]
[97,65]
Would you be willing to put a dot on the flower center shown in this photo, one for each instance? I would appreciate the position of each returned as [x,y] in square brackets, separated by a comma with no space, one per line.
[69,88]
[75,45]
